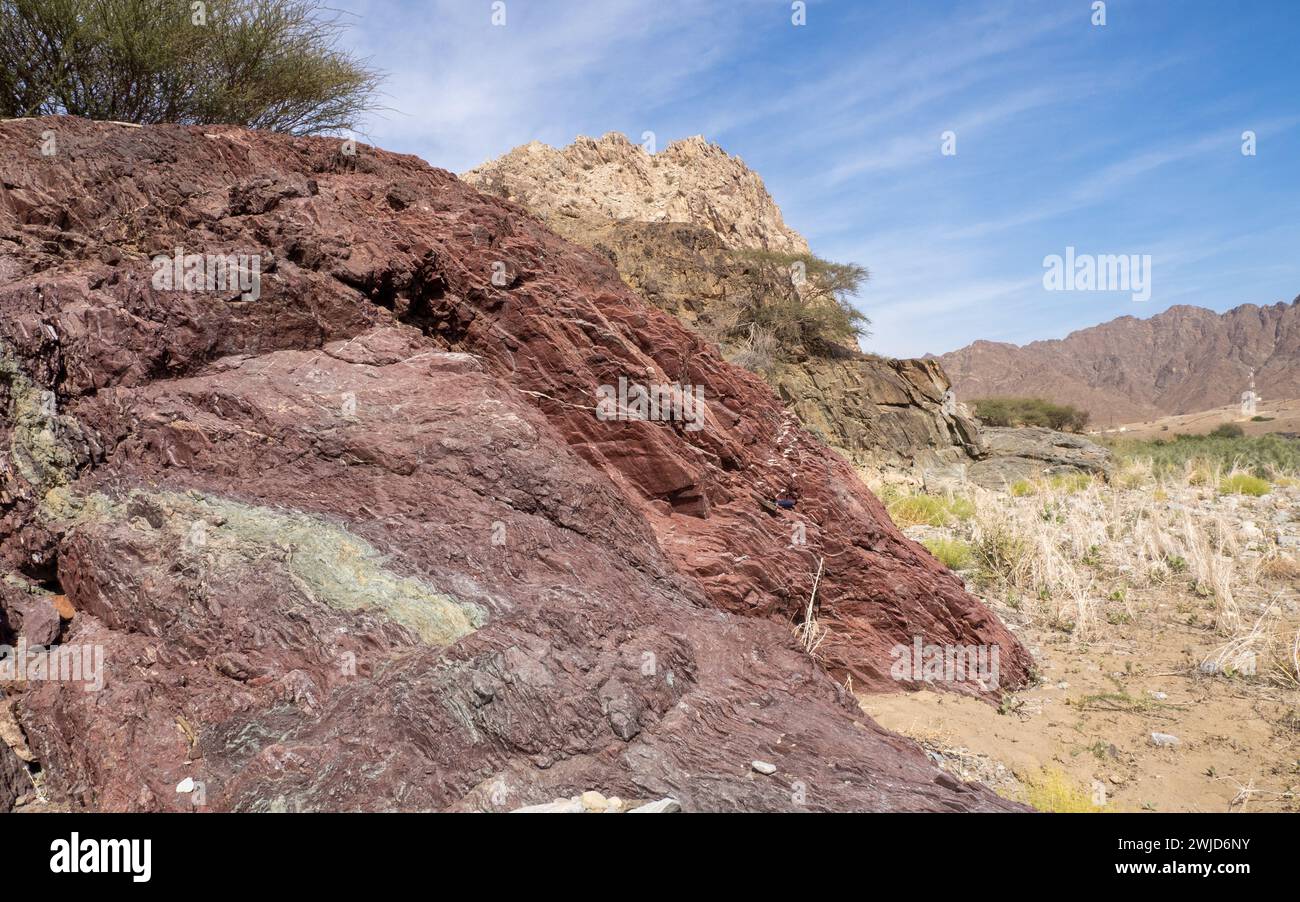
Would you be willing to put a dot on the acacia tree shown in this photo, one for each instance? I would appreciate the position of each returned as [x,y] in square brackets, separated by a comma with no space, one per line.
[801,299]
[272,64]
[1031,412]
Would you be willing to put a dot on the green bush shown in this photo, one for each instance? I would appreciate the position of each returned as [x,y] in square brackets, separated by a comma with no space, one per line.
[1261,455]
[1055,792]
[271,64]
[1070,483]
[1227,430]
[1030,412]
[801,300]
[929,510]
[1244,484]
[952,553]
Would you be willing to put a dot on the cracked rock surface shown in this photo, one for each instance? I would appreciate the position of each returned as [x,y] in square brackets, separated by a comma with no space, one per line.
[361,543]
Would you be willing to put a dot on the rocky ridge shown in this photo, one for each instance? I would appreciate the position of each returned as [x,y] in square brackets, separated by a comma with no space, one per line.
[1184,360]
[360,541]
[691,181]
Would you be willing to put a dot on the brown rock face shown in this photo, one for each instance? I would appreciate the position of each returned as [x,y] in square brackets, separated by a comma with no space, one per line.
[1025,452]
[354,537]
[1183,360]
[669,222]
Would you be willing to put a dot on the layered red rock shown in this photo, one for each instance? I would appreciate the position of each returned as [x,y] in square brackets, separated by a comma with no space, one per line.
[678,226]
[362,542]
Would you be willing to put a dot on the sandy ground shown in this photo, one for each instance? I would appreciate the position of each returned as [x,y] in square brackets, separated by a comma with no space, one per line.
[1285,417]
[1093,715]
[1098,700]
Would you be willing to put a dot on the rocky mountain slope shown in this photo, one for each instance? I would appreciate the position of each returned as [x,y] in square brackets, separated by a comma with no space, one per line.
[1183,360]
[671,223]
[357,539]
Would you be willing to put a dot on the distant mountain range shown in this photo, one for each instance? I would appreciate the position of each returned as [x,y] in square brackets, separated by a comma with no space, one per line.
[1183,360]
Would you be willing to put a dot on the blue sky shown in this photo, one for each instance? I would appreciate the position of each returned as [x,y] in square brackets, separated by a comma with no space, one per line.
[1117,139]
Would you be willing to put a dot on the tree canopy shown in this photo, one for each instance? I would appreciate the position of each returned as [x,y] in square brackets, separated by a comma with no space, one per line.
[272,64]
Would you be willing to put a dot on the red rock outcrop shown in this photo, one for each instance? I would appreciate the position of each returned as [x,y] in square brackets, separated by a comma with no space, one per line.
[361,542]
[672,224]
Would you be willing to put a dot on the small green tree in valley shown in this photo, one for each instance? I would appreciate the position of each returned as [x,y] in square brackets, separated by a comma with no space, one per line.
[1031,412]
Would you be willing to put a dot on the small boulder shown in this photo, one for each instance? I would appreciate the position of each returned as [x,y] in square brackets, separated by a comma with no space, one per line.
[593,801]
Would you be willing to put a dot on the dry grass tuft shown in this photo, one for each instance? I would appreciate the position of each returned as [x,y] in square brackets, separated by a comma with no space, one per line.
[810,633]
[1052,790]
[1267,651]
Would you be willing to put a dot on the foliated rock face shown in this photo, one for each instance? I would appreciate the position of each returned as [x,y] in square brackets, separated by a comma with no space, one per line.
[362,541]
[324,561]
[671,224]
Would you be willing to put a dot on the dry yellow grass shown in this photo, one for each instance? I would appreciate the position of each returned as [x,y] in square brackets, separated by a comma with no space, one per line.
[1068,550]
[1053,791]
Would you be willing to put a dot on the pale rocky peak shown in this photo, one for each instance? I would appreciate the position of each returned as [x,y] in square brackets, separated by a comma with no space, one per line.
[611,178]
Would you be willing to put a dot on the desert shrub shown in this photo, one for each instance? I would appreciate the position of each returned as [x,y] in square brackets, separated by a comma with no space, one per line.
[1133,472]
[1261,419]
[952,553]
[1267,650]
[1243,484]
[1057,483]
[801,300]
[1052,790]
[1227,430]
[1281,567]
[918,510]
[1070,482]
[1003,550]
[960,508]
[1022,488]
[272,64]
[756,351]
[1030,412]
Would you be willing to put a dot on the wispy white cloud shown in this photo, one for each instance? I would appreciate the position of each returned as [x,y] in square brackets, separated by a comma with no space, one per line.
[915,148]
[1122,139]
[462,90]
[1102,186]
